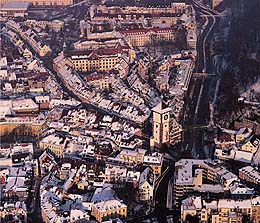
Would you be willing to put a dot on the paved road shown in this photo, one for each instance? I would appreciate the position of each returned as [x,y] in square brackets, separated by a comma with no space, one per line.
[36,216]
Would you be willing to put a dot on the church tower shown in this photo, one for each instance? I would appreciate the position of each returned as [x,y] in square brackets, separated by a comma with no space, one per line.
[64,47]
[161,124]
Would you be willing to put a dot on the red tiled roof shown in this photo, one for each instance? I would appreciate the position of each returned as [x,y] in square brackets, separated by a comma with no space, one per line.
[224,137]
[156,30]
[96,53]
[93,77]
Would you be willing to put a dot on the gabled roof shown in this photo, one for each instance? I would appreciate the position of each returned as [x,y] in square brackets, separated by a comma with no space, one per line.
[161,107]
[243,131]
[96,53]
[147,176]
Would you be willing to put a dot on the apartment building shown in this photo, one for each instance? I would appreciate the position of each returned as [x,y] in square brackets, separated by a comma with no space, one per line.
[190,206]
[255,211]
[175,132]
[190,175]
[31,37]
[143,37]
[100,81]
[146,185]
[220,211]
[96,60]
[142,19]
[54,143]
[174,7]
[250,174]
[21,125]
[115,173]
[132,155]
[192,39]
[155,161]
[25,106]
[104,210]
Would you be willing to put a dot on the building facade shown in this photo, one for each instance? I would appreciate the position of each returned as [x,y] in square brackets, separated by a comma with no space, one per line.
[174,7]
[105,210]
[175,133]
[100,81]
[143,37]
[97,60]
[161,124]
[220,211]
[54,143]
[146,185]
[19,126]
[250,174]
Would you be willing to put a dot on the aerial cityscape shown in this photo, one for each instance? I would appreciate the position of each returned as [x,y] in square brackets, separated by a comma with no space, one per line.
[136,111]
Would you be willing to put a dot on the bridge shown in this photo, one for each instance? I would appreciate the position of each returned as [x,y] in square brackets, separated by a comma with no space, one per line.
[211,15]
[203,75]
[194,127]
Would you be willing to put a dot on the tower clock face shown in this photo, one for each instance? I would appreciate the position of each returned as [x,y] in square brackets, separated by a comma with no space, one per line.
[165,117]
